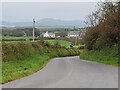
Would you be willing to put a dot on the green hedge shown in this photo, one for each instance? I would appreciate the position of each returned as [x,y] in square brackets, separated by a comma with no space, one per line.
[24,58]
[22,50]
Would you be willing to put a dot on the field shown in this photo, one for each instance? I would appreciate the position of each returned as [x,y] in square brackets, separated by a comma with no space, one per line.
[13,37]
[53,41]
[61,42]
[64,43]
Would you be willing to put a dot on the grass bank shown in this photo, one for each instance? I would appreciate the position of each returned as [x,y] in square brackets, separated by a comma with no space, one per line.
[107,55]
[23,58]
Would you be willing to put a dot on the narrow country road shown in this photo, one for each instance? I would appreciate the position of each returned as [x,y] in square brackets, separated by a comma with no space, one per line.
[70,72]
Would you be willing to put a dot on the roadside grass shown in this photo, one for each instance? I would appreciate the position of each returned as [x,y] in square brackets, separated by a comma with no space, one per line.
[24,58]
[13,70]
[106,56]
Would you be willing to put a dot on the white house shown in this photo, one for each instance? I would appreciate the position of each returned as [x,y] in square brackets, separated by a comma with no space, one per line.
[49,34]
[73,34]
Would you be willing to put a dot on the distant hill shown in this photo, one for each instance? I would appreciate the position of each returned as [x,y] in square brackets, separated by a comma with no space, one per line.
[47,22]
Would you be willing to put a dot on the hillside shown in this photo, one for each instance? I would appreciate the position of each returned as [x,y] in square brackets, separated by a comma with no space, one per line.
[46,22]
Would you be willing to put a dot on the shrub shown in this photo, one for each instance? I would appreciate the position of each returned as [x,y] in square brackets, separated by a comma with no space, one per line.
[41,42]
[47,44]
[57,44]
[17,51]
[22,50]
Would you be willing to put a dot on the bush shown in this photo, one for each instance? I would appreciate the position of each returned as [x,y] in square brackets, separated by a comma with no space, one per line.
[47,44]
[41,42]
[57,44]
[22,50]
[17,51]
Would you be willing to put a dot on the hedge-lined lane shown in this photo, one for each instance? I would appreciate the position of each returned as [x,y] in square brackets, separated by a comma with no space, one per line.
[24,58]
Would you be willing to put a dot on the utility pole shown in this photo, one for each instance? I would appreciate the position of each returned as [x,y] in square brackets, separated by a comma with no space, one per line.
[75,36]
[33,30]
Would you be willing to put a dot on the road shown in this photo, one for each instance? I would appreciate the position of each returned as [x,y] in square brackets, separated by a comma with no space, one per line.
[70,72]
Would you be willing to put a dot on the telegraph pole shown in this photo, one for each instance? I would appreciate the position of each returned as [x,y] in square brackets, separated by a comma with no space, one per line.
[75,36]
[33,30]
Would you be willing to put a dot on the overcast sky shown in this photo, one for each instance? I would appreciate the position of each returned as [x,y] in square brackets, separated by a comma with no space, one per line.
[25,11]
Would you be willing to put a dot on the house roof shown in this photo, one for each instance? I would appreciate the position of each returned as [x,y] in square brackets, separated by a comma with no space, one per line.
[73,32]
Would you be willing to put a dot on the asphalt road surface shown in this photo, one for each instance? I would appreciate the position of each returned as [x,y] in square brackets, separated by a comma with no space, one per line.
[70,72]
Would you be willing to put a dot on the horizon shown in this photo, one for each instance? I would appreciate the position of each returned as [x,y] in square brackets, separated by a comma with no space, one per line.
[46,22]
[43,19]
[65,11]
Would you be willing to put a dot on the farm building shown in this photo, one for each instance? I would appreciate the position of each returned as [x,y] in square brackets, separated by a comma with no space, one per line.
[73,34]
[49,35]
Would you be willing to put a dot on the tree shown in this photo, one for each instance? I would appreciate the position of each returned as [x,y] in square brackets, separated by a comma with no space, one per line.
[103,26]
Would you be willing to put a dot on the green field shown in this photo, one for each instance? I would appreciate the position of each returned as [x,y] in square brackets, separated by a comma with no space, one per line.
[13,37]
[61,42]
[16,38]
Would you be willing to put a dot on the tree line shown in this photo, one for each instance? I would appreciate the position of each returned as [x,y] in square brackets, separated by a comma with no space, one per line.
[103,26]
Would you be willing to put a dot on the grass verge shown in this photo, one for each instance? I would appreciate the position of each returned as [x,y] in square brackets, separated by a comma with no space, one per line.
[13,70]
[107,55]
